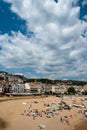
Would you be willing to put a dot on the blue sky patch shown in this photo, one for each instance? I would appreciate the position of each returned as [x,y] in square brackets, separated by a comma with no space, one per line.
[9,21]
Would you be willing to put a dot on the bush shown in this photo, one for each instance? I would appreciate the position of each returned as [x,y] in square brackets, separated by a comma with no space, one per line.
[71,90]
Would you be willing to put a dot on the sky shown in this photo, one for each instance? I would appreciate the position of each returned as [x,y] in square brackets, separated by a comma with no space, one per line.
[44,38]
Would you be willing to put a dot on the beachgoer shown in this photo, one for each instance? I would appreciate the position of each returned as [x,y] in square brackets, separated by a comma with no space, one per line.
[67,122]
[33,117]
[61,119]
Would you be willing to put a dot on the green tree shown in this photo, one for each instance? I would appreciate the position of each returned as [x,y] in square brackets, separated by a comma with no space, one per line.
[71,90]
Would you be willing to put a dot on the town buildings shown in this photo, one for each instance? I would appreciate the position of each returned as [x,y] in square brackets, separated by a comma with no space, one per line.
[16,84]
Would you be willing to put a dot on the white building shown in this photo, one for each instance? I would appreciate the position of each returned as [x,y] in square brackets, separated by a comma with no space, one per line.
[35,89]
[47,88]
[55,89]
[26,88]
[32,88]
[1,90]
[17,88]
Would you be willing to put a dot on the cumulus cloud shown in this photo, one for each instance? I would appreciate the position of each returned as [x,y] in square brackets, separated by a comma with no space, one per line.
[84,2]
[58,47]
[85,17]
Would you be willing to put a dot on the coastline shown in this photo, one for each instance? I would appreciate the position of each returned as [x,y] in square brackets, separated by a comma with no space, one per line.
[4,99]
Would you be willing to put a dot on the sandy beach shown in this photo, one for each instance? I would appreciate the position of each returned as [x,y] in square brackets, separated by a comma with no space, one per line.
[21,114]
[81,126]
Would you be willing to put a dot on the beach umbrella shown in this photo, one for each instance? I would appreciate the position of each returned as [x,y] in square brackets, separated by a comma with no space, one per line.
[42,125]
[60,107]
[53,108]
[85,114]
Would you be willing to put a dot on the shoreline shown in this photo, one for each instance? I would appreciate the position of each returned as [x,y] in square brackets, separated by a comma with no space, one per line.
[3,99]
[8,98]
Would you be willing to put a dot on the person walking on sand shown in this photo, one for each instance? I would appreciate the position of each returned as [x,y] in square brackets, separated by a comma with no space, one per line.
[67,121]
[34,117]
[61,119]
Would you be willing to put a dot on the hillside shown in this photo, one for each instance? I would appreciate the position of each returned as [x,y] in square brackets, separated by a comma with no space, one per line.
[11,77]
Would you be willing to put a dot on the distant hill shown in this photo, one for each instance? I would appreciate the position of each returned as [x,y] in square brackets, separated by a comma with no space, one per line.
[67,82]
[11,77]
